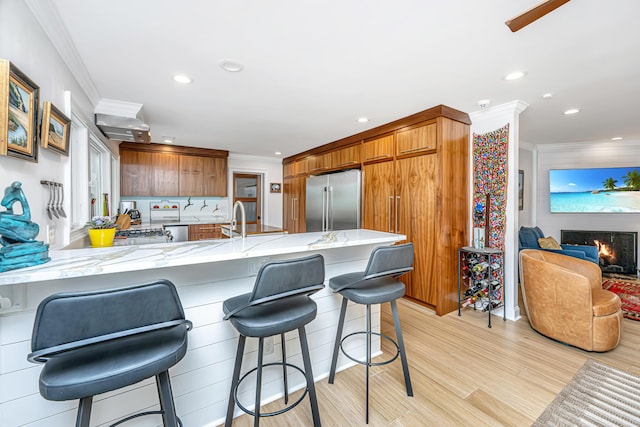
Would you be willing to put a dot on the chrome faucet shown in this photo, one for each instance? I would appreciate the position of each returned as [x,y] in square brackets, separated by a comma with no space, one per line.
[234,222]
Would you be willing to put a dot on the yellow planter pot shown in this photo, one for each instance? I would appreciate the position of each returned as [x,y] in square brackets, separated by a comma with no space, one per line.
[102,237]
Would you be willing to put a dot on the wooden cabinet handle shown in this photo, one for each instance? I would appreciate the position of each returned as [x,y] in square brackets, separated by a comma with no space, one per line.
[410,150]
[381,156]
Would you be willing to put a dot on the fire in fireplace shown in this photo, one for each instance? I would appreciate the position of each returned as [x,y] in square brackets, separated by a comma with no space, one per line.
[616,249]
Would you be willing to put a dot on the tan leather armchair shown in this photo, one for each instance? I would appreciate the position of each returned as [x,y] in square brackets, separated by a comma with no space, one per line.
[564,300]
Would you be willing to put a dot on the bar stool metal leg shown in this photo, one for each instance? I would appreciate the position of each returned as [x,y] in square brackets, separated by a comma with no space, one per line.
[403,354]
[234,380]
[284,368]
[256,410]
[368,364]
[304,346]
[84,412]
[167,406]
[336,346]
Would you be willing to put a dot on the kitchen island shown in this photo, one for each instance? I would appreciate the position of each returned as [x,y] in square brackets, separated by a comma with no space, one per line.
[205,273]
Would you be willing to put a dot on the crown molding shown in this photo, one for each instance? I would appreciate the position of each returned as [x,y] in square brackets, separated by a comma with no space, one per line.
[49,19]
[513,107]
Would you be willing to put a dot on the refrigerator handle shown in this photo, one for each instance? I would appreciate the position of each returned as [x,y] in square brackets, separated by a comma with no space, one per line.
[397,203]
[324,208]
[329,208]
[389,213]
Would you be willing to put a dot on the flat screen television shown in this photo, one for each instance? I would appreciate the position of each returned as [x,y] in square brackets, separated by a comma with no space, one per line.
[595,190]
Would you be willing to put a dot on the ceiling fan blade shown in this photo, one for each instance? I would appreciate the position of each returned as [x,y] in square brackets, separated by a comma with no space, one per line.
[536,12]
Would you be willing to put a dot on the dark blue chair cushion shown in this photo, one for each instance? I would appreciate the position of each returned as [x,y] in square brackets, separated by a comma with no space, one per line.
[372,291]
[111,365]
[271,318]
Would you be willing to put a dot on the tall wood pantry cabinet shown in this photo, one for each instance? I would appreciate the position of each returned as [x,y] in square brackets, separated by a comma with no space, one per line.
[422,192]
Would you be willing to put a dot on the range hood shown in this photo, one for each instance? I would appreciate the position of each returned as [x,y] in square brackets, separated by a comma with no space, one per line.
[122,121]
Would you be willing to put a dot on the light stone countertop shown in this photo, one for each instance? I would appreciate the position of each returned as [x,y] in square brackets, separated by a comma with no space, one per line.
[118,259]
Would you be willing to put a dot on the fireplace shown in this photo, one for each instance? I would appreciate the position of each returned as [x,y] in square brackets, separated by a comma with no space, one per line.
[616,249]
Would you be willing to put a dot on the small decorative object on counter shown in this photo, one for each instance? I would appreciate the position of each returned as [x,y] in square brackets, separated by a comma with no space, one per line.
[102,231]
[19,249]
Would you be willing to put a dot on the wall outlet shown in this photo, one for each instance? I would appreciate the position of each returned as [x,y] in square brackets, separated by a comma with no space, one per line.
[268,345]
[51,235]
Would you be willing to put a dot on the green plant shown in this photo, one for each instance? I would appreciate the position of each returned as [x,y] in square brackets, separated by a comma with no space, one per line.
[101,222]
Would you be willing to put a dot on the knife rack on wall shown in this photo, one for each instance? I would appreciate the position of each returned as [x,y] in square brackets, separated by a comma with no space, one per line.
[54,206]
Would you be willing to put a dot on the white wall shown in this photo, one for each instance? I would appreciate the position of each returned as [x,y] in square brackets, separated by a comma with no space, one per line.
[25,44]
[271,170]
[583,155]
[526,163]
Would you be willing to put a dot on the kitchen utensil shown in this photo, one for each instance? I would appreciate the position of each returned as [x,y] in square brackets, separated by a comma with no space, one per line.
[49,201]
[60,206]
[54,203]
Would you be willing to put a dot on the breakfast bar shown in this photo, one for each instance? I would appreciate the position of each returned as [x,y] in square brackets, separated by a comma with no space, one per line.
[205,273]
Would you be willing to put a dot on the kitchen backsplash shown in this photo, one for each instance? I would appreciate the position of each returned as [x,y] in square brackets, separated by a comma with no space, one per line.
[214,209]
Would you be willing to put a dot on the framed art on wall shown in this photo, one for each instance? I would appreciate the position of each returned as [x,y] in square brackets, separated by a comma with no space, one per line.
[276,187]
[54,129]
[521,190]
[18,113]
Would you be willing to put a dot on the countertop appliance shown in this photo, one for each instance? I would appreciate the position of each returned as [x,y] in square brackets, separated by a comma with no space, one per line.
[176,232]
[333,201]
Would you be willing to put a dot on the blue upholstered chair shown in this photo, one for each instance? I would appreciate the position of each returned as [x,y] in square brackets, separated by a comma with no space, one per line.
[528,239]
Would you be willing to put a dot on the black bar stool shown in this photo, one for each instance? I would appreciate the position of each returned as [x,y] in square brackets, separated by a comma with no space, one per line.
[98,341]
[376,285]
[280,302]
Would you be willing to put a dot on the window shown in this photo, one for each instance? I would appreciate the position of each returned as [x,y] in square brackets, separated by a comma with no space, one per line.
[92,166]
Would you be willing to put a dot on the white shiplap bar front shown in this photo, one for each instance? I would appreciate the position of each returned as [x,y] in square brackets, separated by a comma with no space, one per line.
[205,273]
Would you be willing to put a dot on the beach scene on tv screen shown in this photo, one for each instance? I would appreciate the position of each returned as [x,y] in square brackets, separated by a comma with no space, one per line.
[595,190]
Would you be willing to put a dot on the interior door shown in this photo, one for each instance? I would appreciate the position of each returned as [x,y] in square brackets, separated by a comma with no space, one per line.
[247,189]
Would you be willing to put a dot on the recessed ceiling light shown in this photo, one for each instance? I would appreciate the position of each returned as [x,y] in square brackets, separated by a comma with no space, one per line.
[571,111]
[181,78]
[277,153]
[168,139]
[363,120]
[616,138]
[547,95]
[515,75]
[231,66]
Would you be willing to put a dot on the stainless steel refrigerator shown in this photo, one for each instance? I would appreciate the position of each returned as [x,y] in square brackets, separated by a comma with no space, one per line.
[333,201]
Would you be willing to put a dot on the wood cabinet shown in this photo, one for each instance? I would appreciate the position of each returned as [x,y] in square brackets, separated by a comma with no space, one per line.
[301,167]
[346,157]
[294,208]
[164,174]
[378,149]
[416,139]
[203,176]
[170,171]
[215,176]
[319,163]
[379,195]
[205,231]
[135,173]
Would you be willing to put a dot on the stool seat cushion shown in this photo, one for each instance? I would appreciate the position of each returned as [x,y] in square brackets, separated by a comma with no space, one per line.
[371,291]
[95,369]
[272,318]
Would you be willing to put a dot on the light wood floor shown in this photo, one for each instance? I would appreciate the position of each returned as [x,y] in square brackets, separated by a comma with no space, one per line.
[463,374]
